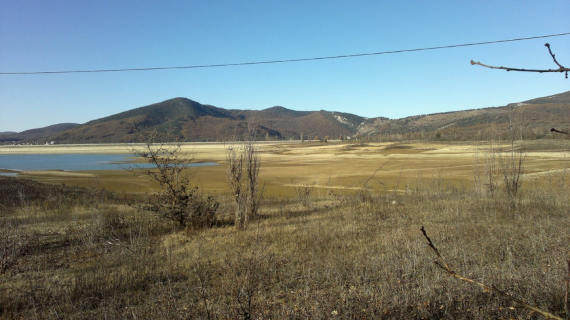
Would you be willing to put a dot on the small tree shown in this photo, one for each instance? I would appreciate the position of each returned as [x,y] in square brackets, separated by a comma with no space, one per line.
[491,168]
[512,162]
[178,200]
[512,169]
[234,172]
[242,169]
[252,162]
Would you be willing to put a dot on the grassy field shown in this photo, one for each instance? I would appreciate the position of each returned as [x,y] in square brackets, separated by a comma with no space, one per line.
[337,237]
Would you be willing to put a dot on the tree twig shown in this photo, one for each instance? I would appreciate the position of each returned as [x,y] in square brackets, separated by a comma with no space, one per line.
[557,131]
[440,262]
[561,68]
[547,45]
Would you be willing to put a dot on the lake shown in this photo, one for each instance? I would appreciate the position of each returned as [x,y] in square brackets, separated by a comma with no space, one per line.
[75,162]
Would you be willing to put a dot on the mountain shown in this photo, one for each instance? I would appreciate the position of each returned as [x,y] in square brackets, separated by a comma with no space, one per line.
[534,117]
[187,120]
[39,135]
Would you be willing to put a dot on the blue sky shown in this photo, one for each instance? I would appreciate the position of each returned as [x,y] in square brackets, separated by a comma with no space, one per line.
[54,35]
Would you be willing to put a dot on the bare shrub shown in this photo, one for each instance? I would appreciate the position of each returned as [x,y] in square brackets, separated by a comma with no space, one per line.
[234,172]
[511,167]
[252,163]
[485,168]
[490,171]
[304,194]
[512,162]
[499,163]
[242,170]
[20,193]
[442,264]
[179,199]
[250,273]
[13,244]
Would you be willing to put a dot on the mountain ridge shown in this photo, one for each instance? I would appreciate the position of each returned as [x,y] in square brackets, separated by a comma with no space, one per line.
[188,120]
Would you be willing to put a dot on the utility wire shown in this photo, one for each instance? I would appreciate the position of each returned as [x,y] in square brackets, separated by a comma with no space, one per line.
[285,60]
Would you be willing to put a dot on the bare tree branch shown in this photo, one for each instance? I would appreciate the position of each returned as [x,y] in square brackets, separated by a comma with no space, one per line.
[561,68]
[518,69]
[557,131]
[547,45]
[440,262]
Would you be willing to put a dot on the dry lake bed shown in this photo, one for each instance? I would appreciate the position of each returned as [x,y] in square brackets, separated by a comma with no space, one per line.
[342,167]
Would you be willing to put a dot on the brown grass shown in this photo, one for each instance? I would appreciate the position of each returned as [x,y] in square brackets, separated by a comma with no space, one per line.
[356,254]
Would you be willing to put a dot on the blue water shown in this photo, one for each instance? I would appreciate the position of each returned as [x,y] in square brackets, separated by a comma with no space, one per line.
[77,162]
[8,174]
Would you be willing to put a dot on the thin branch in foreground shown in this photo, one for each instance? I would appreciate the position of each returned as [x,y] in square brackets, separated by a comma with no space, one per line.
[561,68]
[547,45]
[557,131]
[440,262]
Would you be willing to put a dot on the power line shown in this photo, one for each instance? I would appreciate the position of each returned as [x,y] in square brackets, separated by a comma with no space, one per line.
[249,63]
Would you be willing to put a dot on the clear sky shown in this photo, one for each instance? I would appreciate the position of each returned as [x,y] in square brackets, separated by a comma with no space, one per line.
[53,35]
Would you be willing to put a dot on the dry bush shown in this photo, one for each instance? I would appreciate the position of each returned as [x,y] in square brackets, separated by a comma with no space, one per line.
[496,162]
[242,171]
[485,168]
[250,276]
[84,266]
[253,194]
[491,170]
[179,200]
[20,192]
[304,193]
[234,173]
[512,162]
[13,244]
[511,166]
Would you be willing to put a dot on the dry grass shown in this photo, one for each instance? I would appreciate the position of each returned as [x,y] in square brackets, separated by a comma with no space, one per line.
[352,254]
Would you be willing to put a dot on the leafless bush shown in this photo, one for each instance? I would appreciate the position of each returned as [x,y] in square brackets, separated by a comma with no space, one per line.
[512,162]
[511,167]
[250,271]
[498,163]
[490,171]
[242,172]
[442,264]
[13,244]
[304,194]
[485,168]
[252,163]
[234,172]
[179,200]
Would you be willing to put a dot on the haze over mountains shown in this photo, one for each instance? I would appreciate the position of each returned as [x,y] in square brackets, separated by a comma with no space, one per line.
[188,120]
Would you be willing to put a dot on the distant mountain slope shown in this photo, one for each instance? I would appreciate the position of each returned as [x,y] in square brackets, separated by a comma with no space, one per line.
[39,135]
[561,98]
[535,117]
[189,120]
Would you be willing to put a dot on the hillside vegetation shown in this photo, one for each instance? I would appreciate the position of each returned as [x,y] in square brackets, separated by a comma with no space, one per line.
[535,117]
[186,120]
